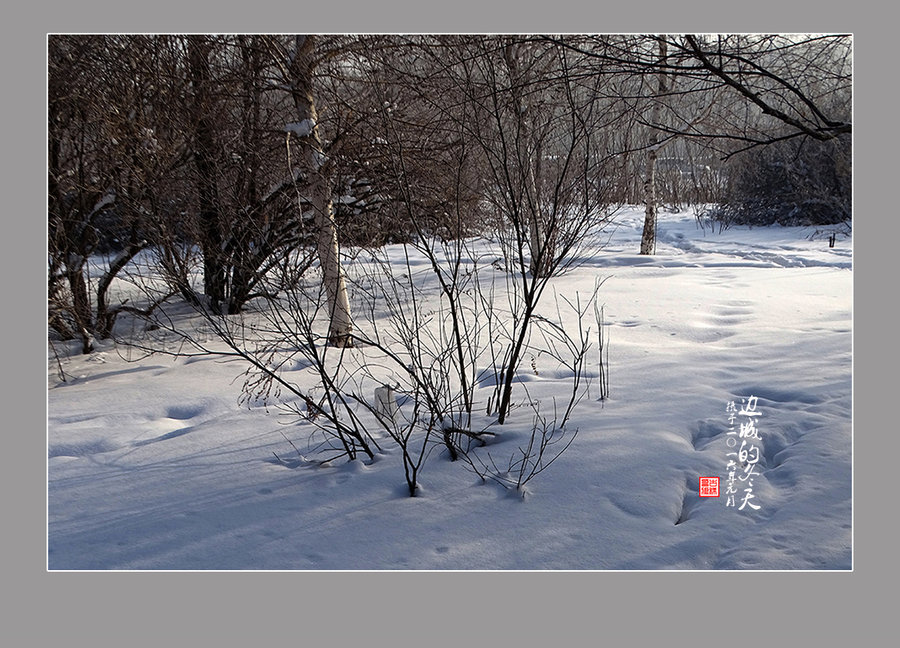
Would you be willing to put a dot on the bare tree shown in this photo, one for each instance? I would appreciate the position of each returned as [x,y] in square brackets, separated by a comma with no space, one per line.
[801,81]
[111,152]
[204,153]
[246,221]
[298,64]
[567,201]
[648,237]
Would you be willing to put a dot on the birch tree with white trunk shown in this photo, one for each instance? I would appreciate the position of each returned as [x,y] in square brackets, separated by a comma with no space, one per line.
[648,237]
[316,168]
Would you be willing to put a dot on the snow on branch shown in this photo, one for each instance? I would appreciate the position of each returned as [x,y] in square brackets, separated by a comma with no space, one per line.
[300,129]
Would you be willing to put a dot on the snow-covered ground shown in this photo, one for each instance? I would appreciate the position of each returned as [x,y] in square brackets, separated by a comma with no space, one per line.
[154,464]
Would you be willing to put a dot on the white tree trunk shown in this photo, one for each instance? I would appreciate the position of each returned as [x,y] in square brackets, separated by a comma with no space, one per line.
[341,326]
[316,167]
[648,238]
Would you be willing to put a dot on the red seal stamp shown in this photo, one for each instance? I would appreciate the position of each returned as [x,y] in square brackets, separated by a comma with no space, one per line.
[709,487]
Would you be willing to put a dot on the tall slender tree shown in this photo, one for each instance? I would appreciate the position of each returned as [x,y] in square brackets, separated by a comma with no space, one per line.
[299,65]
[651,200]
[205,154]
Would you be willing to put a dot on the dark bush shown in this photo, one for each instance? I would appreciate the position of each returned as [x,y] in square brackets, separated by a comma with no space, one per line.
[796,182]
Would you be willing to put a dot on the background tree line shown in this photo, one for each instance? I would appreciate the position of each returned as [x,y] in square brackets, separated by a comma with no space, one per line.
[226,157]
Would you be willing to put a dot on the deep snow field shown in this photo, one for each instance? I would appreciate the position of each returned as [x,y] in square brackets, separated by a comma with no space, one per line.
[154,464]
